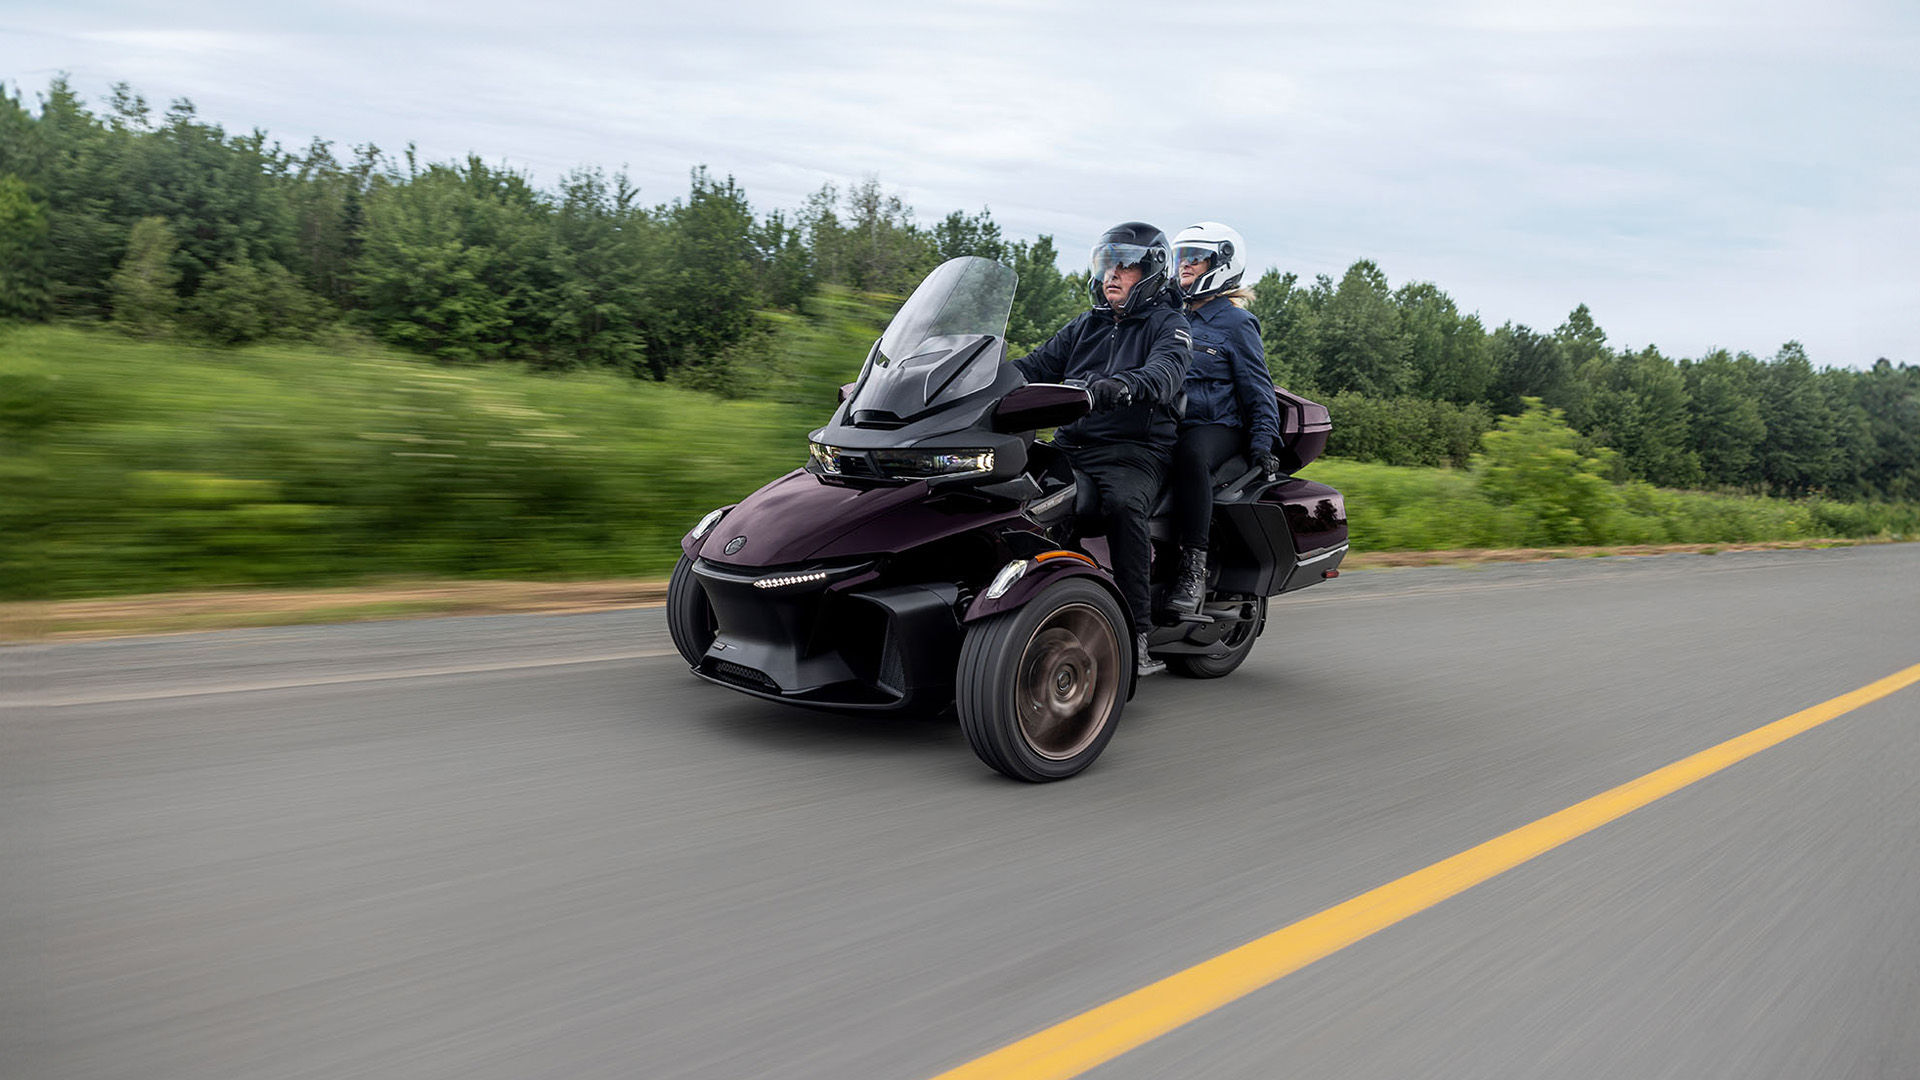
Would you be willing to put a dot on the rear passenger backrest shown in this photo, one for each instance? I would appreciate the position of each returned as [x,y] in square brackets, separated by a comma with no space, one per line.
[1304,426]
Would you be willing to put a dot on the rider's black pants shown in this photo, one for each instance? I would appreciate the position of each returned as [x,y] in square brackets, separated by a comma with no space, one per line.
[1128,478]
[1201,449]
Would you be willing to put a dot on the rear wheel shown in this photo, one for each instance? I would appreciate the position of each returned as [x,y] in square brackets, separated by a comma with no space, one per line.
[1227,655]
[689,616]
[1039,690]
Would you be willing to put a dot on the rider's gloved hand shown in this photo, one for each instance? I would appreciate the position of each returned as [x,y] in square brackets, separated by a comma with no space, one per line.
[1109,394]
[1266,462]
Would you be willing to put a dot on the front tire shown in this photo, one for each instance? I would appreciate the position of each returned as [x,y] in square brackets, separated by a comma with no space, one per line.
[1233,649]
[690,619]
[1039,690]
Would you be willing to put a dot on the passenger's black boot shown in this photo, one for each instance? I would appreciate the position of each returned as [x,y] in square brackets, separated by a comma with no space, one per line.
[1143,662]
[1189,586]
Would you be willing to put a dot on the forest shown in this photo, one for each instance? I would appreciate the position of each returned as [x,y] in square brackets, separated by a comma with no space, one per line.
[166,226]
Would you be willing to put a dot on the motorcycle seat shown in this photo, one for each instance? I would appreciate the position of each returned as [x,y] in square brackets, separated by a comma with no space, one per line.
[1232,481]
[1235,480]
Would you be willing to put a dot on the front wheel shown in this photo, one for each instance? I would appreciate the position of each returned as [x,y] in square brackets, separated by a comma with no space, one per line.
[689,615]
[1040,689]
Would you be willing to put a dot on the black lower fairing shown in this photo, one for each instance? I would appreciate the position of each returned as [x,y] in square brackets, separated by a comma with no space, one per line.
[846,640]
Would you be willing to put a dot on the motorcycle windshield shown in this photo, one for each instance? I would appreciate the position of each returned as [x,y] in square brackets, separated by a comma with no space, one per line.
[946,342]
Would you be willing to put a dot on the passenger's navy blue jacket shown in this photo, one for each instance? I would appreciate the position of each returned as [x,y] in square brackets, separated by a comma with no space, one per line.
[1228,382]
[1147,349]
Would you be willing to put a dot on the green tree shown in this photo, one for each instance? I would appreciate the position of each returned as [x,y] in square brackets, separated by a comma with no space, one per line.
[884,251]
[1406,431]
[1890,396]
[1448,354]
[327,201]
[144,300]
[1529,365]
[1289,325]
[23,251]
[602,248]
[1533,462]
[1797,456]
[825,236]
[245,301]
[1724,417]
[960,234]
[1360,343]
[705,299]
[427,277]
[1045,299]
[1854,445]
[1582,364]
[225,195]
[1637,403]
[782,265]
[80,164]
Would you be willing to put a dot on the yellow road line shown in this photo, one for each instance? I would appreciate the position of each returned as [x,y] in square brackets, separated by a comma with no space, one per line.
[1073,1046]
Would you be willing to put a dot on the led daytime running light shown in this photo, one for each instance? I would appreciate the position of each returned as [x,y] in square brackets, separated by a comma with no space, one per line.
[783,580]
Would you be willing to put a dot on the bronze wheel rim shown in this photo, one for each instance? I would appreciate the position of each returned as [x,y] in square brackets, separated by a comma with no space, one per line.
[1069,676]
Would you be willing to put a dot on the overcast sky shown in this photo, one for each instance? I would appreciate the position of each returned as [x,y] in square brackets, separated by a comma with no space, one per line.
[1701,174]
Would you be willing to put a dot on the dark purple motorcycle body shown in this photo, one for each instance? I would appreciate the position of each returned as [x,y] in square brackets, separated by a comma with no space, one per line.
[847,585]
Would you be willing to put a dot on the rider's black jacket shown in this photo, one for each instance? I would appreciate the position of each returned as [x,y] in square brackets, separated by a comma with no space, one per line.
[1147,348]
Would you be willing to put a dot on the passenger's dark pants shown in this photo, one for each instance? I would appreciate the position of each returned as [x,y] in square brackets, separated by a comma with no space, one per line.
[1201,449]
[1128,478]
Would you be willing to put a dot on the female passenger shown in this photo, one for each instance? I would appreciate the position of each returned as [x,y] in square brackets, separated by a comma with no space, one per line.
[1230,403]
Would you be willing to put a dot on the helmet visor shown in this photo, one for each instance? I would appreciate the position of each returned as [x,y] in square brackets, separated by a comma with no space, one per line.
[1107,256]
[1194,253]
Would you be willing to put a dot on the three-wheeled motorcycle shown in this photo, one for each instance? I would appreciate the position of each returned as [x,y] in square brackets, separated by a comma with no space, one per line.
[933,553]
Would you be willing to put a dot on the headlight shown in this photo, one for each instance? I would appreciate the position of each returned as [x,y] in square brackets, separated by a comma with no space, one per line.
[707,523]
[825,458]
[898,464]
[921,464]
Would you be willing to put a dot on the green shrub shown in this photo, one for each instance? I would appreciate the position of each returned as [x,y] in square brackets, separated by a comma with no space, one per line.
[144,300]
[241,302]
[1534,464]
[1404,430]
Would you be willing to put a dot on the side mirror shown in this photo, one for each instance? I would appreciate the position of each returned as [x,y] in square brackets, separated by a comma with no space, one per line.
[1040,405]
[846,390]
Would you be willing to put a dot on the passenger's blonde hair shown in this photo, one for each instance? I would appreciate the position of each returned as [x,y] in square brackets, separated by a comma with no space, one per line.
[1239,297]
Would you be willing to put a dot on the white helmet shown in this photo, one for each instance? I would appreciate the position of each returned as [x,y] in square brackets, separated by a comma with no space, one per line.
[1221,247]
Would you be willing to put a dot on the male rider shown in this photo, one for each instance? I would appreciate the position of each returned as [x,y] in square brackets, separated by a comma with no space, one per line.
[1132,349]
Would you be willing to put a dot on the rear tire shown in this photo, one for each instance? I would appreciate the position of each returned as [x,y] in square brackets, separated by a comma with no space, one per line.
[1233,649]
[690,619]
[1039,690]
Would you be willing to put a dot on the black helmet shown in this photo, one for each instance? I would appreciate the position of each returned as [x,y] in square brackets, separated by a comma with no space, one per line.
[1132,243]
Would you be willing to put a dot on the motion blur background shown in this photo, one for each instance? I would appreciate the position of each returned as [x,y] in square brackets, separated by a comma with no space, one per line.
[458,290]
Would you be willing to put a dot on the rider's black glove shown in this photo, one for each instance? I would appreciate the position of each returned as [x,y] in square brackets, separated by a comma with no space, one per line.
[1109,394]
[1267,463]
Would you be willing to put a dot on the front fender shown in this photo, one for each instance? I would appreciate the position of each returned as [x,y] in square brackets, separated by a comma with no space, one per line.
[1044,572]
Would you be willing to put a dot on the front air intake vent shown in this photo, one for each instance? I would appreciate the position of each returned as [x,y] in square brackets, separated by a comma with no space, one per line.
[743,675]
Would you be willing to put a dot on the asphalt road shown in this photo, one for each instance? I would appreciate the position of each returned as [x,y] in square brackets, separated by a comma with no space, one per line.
[537,847]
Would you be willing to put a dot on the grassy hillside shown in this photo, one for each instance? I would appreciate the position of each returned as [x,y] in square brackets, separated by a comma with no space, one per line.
[131,466]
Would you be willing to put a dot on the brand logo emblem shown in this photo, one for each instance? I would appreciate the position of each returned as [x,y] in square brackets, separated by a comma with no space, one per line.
[735,544]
